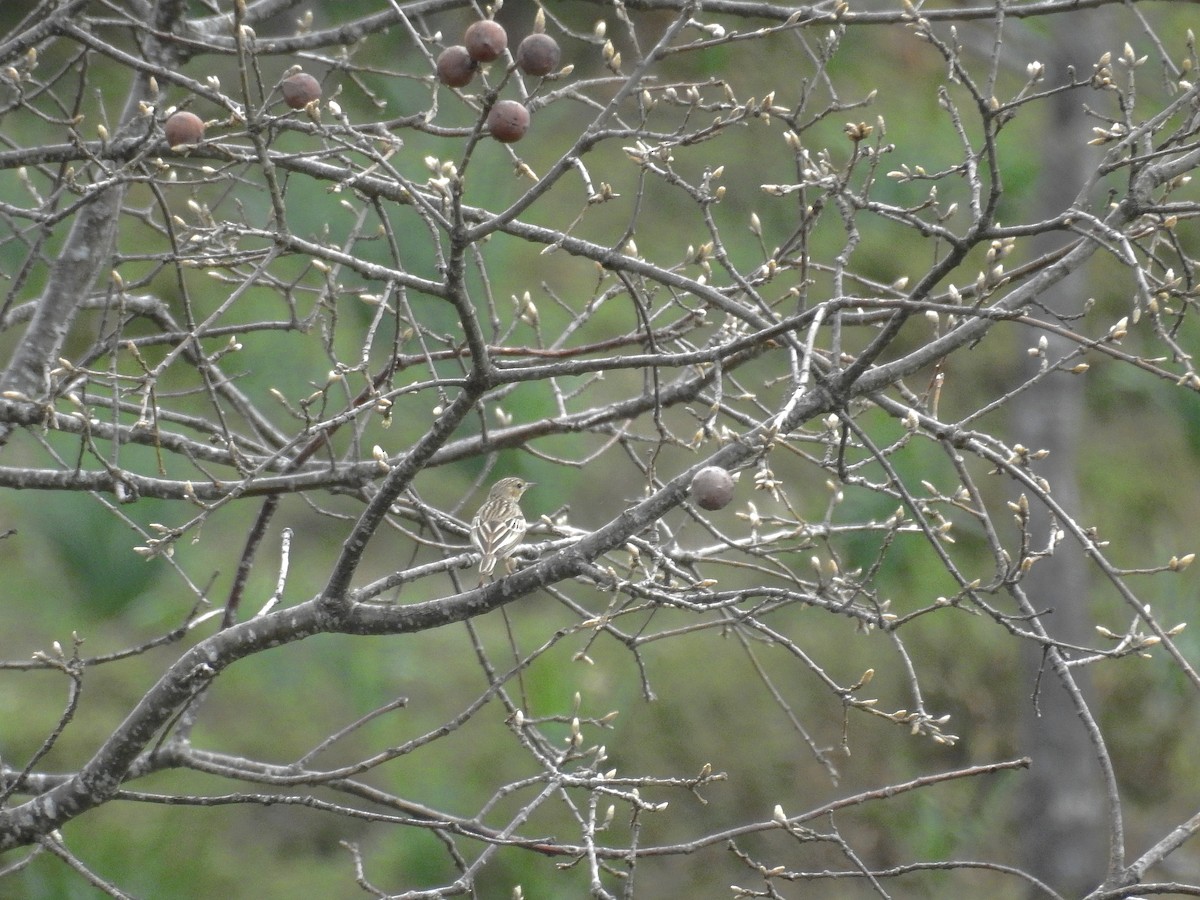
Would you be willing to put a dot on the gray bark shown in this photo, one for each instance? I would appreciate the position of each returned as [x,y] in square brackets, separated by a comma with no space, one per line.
[1061,807]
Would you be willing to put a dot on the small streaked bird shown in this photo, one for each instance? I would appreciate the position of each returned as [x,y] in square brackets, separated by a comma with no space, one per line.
[499,526]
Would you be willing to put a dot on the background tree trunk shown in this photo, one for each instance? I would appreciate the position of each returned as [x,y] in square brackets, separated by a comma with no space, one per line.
[1061,807]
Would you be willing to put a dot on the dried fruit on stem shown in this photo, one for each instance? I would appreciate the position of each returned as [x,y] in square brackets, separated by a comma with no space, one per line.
[300,89]
[455,68]
[712,488]
[538,54]
[184,128]
[508,121]
[485,40]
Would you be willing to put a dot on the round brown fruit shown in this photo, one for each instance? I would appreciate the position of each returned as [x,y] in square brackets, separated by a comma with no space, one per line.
[538,54]
[508,121]
[300,89]
[485,40]
[712,487]
[184,128]
[455,68]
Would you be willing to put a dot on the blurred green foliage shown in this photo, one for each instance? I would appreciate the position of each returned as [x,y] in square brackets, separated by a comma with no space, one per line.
[72,569]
